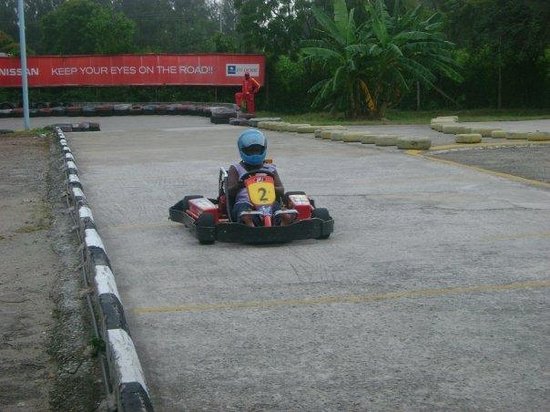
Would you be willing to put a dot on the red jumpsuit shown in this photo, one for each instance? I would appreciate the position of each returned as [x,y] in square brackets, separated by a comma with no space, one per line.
[249,89]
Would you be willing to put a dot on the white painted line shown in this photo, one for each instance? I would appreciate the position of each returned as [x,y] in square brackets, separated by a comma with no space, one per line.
[105,281]
[124,355]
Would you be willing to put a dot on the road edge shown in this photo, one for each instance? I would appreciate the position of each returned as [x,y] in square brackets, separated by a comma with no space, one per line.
[126,380]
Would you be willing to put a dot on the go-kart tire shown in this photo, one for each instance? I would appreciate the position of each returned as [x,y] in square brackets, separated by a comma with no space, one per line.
[323,214]
[205,220]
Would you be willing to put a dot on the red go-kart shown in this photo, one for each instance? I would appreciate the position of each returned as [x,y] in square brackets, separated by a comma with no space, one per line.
[296,216]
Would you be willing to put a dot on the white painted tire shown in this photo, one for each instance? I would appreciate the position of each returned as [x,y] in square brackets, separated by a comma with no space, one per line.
[388,140]
[468,138]
[414,143]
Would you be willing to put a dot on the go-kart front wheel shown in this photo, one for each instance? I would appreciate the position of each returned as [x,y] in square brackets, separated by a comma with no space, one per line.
[206,229]
[321,213]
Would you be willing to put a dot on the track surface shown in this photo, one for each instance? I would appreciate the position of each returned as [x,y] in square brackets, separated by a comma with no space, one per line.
[433,292]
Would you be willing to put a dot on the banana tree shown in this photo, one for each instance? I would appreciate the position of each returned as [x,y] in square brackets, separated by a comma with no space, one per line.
[371,66]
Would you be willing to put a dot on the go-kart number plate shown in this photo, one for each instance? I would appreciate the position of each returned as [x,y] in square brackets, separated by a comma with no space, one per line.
[261,193]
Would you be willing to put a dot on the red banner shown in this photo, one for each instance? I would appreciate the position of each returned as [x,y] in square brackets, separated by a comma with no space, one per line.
[133,70]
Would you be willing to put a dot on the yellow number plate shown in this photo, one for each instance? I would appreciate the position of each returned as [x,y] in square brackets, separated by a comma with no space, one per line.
[261,193]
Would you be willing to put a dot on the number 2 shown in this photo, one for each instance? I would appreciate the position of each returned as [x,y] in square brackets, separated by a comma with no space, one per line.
[262,192]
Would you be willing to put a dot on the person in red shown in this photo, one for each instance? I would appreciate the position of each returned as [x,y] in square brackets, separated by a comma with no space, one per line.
[249,88]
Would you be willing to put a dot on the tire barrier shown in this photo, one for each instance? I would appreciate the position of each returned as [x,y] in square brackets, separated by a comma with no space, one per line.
[414,143]
[337,136]
[483,131]
[368,138]
[306,129]
[465,134]
[352,137]
[222,115]
[219,113]
[239,121]
[327,134]
[538,136]
[468,138]
[389,140]
[123,369]
[254,122]
[324,132]
[77,127]
[517,135]
[498,134]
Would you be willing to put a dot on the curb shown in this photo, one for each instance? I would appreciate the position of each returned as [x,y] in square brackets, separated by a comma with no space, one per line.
[126,381]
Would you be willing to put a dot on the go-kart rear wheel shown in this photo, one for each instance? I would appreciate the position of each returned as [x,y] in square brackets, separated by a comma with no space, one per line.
[321,213]
[206,228]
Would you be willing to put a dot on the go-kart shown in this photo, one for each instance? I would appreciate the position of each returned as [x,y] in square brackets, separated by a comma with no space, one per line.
[275,221]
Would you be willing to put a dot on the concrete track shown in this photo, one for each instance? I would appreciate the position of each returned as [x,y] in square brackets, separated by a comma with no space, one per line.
[432,293]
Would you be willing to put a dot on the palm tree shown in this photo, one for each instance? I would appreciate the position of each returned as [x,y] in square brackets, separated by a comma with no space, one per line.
[373,65]
[338,52]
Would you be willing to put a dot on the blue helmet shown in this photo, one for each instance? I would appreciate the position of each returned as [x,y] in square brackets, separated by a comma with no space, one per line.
[252,146]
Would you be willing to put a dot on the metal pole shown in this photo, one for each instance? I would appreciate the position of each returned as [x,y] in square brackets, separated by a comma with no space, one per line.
[23,46]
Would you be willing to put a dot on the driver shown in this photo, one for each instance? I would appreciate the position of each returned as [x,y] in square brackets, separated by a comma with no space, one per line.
[252,146]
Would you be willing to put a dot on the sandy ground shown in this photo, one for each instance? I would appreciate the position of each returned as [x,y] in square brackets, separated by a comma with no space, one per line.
[46,360]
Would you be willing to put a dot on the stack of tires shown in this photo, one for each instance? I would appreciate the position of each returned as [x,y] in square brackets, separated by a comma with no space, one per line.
[221,115]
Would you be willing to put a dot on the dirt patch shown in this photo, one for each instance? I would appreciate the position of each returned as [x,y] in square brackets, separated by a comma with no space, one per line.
[529,162]
[46,359]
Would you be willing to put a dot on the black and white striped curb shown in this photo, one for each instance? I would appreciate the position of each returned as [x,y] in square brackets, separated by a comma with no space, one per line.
[124,375]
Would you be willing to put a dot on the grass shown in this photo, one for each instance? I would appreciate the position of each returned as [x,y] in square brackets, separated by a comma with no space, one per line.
[414,117]
[26,133]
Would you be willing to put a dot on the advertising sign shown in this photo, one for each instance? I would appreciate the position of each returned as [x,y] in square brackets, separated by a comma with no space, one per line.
[133,70]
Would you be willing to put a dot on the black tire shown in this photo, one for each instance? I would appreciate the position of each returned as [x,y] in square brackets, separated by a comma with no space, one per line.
[219,120]
[321,213]
[6,106]
[205,221]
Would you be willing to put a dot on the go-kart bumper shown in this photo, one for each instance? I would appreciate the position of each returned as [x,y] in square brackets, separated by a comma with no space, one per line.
[313,228]
[304,229]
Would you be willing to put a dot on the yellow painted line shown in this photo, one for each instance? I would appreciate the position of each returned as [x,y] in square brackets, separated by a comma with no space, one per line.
[481,145]
[541,235]
[346,299]
[508,176]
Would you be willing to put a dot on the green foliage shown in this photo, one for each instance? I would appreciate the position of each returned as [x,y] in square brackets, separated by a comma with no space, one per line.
[170,26]
[506,42]
[372,65]
[222,43]
[83,27]
[287,87]
[8,44]
[358,52]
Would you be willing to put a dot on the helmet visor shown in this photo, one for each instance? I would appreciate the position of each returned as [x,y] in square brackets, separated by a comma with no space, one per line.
[254,149]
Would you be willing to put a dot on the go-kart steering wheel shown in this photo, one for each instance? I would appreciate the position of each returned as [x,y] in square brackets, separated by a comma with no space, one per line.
[253,172]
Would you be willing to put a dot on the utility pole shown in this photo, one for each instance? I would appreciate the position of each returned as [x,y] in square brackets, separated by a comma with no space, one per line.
[24,80]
